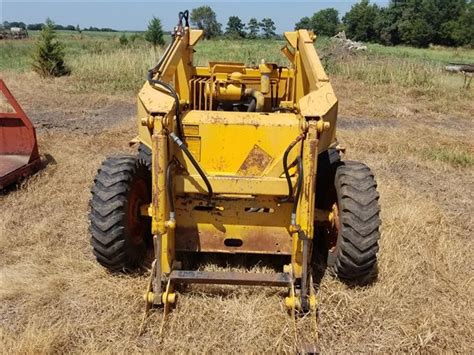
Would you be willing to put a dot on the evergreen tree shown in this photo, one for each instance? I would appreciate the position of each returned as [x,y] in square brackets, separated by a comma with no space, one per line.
[235,27]
[253,28]
[268,28]
[154,33]
[48,53]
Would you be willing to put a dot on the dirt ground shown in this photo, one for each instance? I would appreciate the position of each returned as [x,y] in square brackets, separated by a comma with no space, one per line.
[56,298]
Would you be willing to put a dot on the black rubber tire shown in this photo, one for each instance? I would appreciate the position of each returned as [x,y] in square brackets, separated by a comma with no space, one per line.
[144,155]
[354,258]
[120,238]
[328,161]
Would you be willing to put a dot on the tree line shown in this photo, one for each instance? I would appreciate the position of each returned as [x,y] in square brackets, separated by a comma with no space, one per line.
[38,26]
[204,18]
[417,23]
[413,22]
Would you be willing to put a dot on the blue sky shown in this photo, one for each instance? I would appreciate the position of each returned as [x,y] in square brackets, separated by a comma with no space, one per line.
[129,15]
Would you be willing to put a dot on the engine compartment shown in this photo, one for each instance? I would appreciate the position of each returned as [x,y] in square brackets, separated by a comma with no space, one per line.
[223,86]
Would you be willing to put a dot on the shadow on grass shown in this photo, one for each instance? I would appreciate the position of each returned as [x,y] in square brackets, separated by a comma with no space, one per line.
[46,160]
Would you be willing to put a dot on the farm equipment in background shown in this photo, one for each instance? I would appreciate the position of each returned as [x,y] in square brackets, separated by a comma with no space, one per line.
[19,155]
[465,69]
[14,33]
[235,159]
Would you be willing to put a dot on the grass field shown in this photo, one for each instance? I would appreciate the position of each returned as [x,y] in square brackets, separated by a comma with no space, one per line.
[399,112]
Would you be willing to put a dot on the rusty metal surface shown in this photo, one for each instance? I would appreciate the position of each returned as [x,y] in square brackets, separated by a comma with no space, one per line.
[261,224]
[19,173]
[230,278]
[255,163]
[241,185]
[253,241]
[243,144]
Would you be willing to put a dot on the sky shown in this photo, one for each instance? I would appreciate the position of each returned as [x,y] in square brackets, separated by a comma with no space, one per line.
[131,15]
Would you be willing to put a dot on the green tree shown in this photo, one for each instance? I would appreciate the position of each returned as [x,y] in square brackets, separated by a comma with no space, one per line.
[416,32]
[154,33]
[204,18]
[134,37]
[418,22]
[123,39]
[35,26]
[360,21]
[387,24]
[326,22]
[421,22]
[304,24]
[253,28]
[268,28]
[462,32]
[48,53]
[445,18]
[235,27]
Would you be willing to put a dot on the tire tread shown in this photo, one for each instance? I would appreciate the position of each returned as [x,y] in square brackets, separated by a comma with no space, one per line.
[359,210]
[109,198]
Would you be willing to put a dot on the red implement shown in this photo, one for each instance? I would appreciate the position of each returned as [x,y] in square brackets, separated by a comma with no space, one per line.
[19,155]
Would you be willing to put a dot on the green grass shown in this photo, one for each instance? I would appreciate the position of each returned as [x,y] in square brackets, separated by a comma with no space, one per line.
[436,54]
[98,60]
[453,156]
[123,69]
[382,70]
[15,55]
[65,34]
[250,52]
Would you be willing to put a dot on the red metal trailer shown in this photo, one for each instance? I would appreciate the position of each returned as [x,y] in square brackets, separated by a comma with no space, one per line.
[19,155]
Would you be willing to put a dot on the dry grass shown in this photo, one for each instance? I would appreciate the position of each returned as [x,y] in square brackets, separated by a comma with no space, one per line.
[55,298]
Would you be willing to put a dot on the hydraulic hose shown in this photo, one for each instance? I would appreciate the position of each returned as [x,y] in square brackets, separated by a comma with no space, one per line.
[169,189]
[162,59]
[299,185]
[182,15]
[285,167]
[174,94]
[258,96]
[196,165]
[252,105]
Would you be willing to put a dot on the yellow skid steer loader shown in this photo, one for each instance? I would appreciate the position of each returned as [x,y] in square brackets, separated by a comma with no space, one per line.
[241,160]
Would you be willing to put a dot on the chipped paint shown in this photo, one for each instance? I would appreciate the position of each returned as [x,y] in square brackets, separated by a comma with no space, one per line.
[256,162]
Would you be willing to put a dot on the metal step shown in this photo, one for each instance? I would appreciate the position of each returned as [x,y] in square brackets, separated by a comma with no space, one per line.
[230,278]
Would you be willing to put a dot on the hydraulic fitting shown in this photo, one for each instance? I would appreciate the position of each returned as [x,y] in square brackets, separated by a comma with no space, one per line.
[265,71]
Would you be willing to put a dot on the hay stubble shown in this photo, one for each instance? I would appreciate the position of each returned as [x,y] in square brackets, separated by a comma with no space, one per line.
[56,298]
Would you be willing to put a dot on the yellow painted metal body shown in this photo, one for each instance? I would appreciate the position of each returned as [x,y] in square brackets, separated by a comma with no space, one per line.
[240,152]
